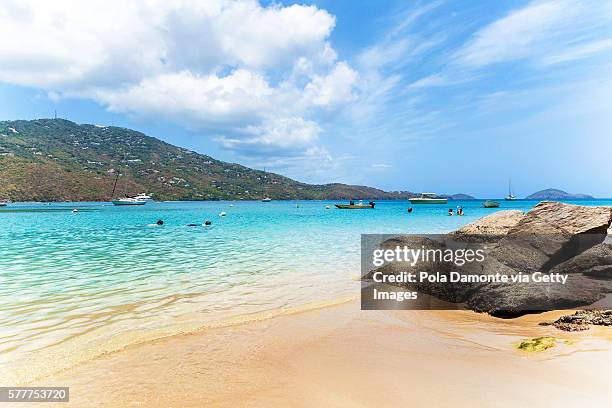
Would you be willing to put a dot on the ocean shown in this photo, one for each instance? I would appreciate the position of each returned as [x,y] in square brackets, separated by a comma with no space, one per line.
[76,285]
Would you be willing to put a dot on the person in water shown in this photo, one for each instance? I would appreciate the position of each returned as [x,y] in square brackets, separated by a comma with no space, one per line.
[160,222]
[409,210]
[372,204]
[450,211]
[459,210]
[207,222]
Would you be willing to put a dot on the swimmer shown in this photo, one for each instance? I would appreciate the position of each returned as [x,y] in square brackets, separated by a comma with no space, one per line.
[160,222]
[450,211]
[409,210]
[207,222]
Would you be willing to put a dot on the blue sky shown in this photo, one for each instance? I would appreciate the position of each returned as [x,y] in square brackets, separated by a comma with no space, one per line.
[440,96]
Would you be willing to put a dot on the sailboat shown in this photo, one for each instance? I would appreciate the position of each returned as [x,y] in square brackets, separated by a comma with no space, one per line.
[126,200]
[266,199]
[510,196]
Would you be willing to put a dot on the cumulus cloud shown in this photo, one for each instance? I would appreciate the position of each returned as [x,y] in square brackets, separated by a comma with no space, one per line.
[255,75]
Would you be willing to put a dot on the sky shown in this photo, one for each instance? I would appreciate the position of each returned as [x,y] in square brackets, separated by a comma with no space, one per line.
[444,96]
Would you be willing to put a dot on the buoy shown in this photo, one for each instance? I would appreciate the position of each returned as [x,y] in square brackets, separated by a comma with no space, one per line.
[327,207]
[75,210]
[222,214]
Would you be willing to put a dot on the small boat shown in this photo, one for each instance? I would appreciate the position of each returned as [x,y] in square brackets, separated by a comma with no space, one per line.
[3,204]
[510,196]
[126,200]
[359,206]
[266,199]
[144,197]
[490,204]
[428,198]
[129,201]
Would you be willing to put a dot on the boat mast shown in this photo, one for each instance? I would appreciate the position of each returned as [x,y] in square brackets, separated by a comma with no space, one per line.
[115,185]
[263,180]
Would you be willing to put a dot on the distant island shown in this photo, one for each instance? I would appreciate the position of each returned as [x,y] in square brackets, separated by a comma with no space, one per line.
[556,194]
[59,160]
[461,196]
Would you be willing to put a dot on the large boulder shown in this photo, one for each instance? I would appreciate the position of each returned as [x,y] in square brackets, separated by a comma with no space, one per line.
[598,256]
[498,223]
[551,238]
[552,233]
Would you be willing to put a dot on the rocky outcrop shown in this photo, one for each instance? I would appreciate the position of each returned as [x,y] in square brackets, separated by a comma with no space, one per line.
[582,320]
[552,233]
[598,256]
[489,228]
[551,238]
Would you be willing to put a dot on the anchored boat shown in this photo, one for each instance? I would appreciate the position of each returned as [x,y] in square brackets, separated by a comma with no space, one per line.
[510,196]
[129,201]
[144,197]
[428,198]
[490,204]
[359,206]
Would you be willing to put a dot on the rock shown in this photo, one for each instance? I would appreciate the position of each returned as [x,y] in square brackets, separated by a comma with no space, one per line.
[551,238]
[552,233]
[516,299]
[598,255]
[600,272]
[582,319]
[490,228]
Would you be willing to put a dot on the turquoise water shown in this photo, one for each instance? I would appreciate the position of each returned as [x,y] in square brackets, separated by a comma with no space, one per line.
[82,279]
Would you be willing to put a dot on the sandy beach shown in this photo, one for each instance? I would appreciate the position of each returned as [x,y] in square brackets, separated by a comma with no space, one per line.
[340,356]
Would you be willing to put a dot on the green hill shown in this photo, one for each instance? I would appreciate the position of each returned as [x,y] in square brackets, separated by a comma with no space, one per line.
[59,160]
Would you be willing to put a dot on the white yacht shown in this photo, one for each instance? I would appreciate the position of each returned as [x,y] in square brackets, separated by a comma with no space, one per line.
[428,198]
[143,196]
[510,196]
[129,201]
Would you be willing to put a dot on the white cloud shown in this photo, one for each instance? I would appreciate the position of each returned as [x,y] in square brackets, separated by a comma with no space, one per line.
[538,30]
[333,89]
[429,81]
[381,166]
[254,75]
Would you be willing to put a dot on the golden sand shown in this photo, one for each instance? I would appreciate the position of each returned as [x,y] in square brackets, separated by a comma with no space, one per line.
[340,356]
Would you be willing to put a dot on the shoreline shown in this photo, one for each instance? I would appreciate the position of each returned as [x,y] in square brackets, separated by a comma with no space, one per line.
[44,368]
[338,355]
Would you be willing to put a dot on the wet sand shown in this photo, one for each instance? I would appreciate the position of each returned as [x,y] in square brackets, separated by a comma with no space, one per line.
[341,356]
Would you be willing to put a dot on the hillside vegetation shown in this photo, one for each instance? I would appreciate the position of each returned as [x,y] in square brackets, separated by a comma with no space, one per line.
[59,160]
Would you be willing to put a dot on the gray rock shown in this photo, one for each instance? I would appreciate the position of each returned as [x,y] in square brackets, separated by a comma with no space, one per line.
[598,255]
[552,233]
[551,238]
[490,228]
[600,272]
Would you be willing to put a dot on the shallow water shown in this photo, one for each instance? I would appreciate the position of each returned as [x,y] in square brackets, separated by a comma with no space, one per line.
[103,278]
